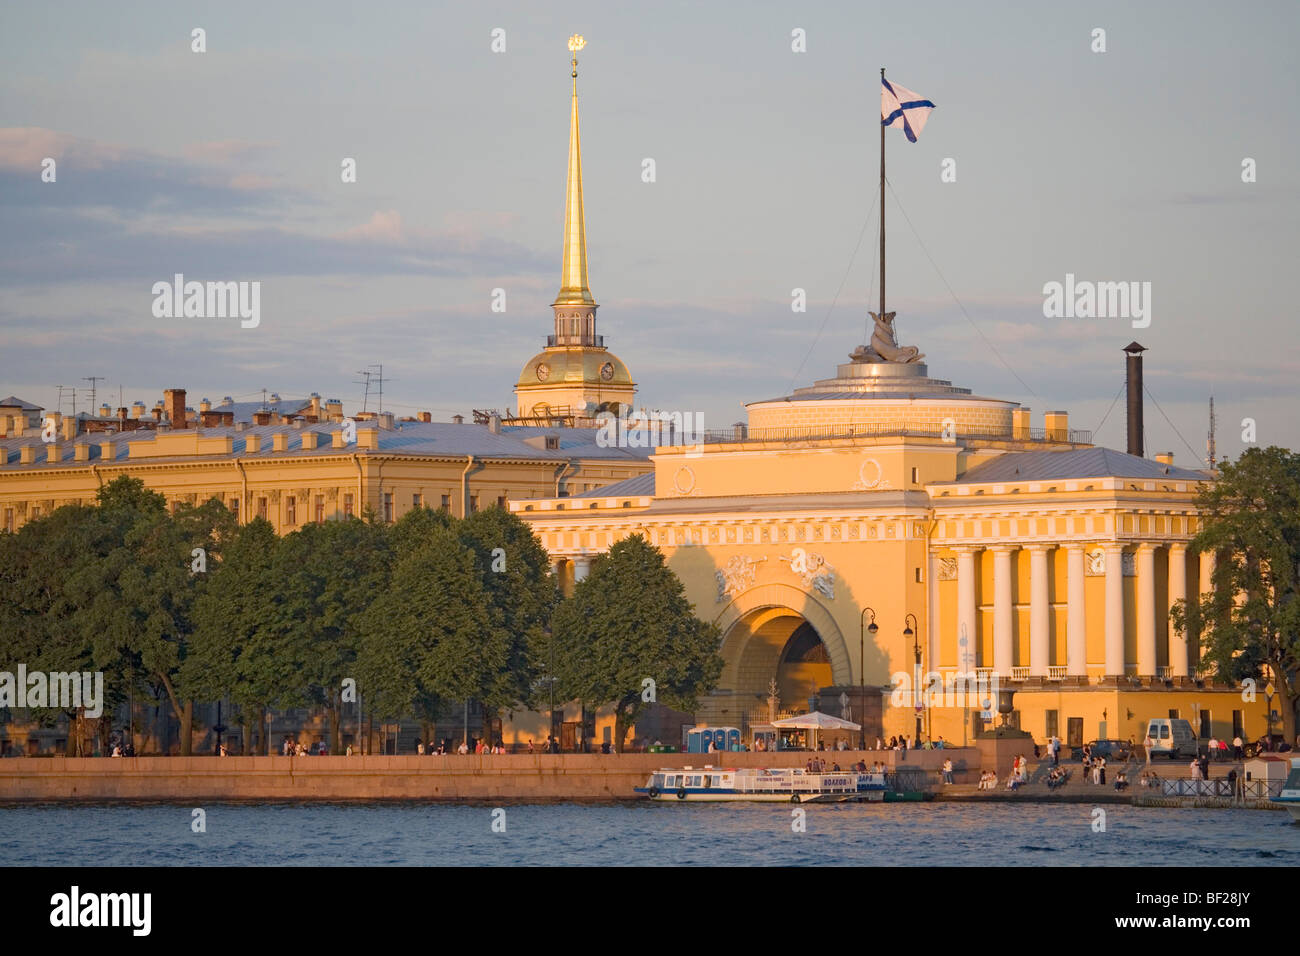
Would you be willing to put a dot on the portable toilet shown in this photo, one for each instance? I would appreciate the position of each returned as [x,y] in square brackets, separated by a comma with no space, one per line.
[733,739]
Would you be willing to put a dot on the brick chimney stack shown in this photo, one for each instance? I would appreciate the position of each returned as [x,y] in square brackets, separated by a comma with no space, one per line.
[174,405]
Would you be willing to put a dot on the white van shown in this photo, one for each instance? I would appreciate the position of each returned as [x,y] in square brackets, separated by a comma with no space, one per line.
[1170,737]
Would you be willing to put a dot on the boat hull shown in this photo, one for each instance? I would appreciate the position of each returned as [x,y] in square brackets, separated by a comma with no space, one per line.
[718,796]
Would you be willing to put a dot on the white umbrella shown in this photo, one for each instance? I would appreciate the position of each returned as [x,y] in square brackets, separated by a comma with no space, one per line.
[816,721]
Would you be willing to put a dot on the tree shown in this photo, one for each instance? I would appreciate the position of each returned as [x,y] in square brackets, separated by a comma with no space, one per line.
[521,595]
[629,621]
[137,600]
[232,651]
[326,577]
[1249,624]
[429,636]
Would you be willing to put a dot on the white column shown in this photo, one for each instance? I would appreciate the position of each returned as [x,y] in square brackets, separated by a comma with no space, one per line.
[1207,572]
[1114,610]
[581,565]
[1003,635]
[1146,610]
[1040,611]
[966,610]
[1076,625]
[1178,660]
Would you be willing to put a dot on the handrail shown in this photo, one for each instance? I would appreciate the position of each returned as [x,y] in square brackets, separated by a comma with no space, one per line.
[713,436]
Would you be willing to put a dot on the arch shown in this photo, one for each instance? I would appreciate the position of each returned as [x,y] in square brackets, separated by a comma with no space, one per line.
[762,605]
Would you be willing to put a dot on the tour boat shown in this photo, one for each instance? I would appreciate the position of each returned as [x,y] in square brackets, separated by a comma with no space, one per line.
[788,785]
[1290,795]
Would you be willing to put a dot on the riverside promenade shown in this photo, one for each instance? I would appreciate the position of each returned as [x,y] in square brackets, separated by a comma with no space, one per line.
[500,777]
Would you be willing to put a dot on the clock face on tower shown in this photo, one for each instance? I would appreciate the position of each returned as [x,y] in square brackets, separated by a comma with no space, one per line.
[543,371]
[607,371]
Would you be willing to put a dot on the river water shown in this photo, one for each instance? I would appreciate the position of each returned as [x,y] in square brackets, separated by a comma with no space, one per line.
[644,834]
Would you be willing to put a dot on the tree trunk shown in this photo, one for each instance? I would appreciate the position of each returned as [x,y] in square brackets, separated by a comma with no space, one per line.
[334,724]
[246,731]
[187,729]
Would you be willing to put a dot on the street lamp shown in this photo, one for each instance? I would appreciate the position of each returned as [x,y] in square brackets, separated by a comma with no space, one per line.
[863,627]
[916,673]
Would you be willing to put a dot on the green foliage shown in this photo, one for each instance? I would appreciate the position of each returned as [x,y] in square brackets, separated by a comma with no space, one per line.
[1250,622]
[514,570]
[630,620]
[428,612]
[429,635]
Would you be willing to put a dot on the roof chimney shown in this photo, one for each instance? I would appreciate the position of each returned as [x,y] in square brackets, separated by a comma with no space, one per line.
[1134,374]
[174,401]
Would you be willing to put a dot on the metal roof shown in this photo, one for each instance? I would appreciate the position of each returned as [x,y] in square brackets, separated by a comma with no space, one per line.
[13,401]
[420,439]
[639,486]
[1079,463]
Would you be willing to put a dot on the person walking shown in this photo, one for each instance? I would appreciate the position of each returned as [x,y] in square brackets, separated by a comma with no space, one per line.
[947,771]
[1237,745]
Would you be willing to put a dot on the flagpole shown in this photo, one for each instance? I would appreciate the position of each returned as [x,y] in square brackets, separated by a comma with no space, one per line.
[882,207]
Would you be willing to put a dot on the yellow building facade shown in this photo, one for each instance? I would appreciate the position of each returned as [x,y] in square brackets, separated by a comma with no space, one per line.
[986,552]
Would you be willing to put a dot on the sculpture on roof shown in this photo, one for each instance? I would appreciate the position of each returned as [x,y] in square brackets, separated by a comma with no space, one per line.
[884,346]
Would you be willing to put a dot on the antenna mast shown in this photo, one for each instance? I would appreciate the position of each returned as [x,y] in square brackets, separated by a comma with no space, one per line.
[1209,441]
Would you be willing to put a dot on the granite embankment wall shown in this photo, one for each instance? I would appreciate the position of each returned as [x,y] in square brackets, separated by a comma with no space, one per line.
[510,777]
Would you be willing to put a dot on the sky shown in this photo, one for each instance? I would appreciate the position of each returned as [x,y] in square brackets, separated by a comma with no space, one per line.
[1117,166]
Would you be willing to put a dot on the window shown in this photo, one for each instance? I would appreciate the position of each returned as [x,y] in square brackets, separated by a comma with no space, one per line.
[1173,713]
[1238,725]
[501,501]
[916,475]
[918,575]
[1206,725]
[388,506]
[291,510]
[1052,727]
[9,519]
[262,509]
[320,509]
[347,506]
[417,501]
[473,503]
[446,503]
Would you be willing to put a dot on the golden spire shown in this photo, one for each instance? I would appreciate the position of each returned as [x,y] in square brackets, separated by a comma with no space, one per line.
[573,285]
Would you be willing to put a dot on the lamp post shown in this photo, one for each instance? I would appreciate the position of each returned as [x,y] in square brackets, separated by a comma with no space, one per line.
[916,673]
[863,627]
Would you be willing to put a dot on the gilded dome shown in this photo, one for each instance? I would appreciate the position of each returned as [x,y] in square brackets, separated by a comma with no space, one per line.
[574,366]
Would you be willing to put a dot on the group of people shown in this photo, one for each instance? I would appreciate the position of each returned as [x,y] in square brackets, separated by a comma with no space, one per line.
[1019,773]
[289,748]
[1058,776]
[904,744]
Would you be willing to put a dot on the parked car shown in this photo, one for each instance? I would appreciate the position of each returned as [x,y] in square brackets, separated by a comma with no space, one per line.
[1170,737]
[1111,749]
